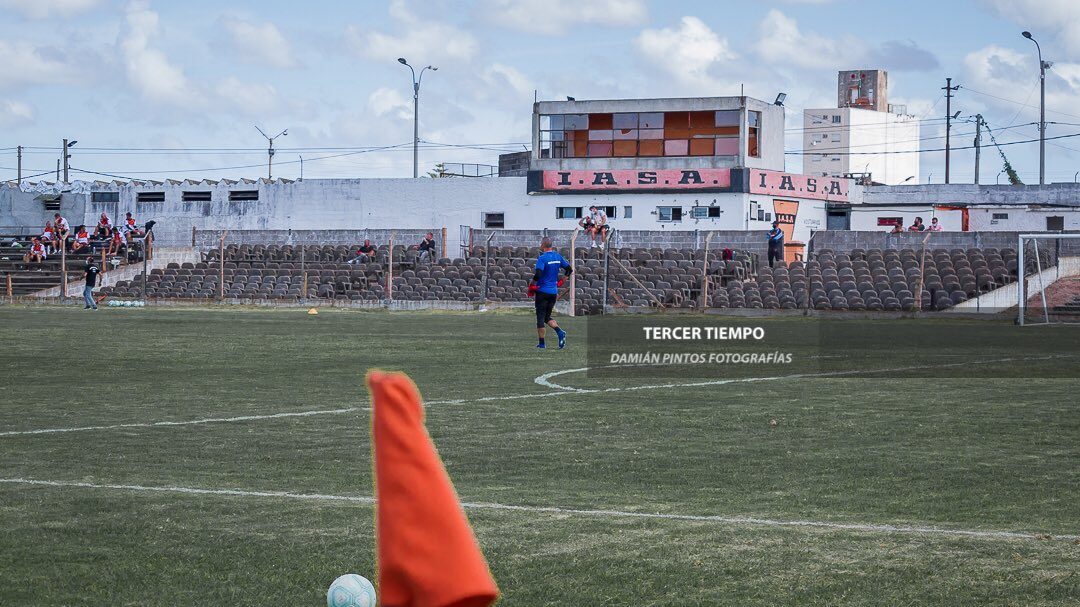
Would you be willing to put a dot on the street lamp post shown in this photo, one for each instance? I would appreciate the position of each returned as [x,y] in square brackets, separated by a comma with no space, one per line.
[270,151]
[416,113]
[1042,109]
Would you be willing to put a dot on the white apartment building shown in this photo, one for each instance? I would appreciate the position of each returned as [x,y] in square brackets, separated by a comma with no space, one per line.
[855,141]
[863,135]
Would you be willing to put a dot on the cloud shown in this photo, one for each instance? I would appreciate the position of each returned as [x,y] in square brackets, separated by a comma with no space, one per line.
[781,41]
[260,43]
[688,52]
[23,63]
[557,16]
[507,79]
[902,56]
[421,39]
[44,9]
[147,68]
[1011,75]
[386,100]
[1061,18]
[15,113]
[245,97]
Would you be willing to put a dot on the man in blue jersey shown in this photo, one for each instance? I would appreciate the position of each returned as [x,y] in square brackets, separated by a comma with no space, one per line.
[776,244]
[545,283]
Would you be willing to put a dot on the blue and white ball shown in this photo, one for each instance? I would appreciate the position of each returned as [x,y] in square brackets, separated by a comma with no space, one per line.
[351,590]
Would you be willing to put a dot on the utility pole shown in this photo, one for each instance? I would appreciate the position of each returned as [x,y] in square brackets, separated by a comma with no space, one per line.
[65,156]
[948,88]
[58,170]
[978,143]
[19,166]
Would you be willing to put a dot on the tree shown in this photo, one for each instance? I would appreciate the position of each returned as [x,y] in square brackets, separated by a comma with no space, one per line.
[439,172]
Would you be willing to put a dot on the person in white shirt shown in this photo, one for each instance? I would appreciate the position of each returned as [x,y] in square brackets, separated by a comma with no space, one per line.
[61,226]
[599,222]
[934,225]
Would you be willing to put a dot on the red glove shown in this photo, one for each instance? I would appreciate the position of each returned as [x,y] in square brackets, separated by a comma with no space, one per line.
[531,290]
[560,283]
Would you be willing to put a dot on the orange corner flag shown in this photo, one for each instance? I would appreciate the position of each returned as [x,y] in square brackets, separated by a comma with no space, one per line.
[427,553]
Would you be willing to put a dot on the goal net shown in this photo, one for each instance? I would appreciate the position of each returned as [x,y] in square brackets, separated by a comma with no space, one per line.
[1048,278]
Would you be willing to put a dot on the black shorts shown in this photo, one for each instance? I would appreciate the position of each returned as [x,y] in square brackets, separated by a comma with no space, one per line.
[545,305]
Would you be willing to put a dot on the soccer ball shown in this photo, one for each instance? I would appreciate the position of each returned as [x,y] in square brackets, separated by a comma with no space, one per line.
[351,590]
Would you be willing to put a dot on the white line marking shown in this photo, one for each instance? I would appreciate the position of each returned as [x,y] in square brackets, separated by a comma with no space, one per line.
[211,420]
[543,380]
[726,520]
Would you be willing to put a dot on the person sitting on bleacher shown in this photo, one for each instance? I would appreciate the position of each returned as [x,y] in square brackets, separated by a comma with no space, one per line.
[115,242]
[364,253]
[131,229]
[104,227]
[918,226]
[48,237]
[426,246]
[62,228]
[36,253]
[82,241]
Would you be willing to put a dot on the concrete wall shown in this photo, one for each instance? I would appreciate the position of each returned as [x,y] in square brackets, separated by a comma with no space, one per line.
[847,240]
[340,210]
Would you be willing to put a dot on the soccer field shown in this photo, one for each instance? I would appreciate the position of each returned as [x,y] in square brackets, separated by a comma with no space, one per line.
[222,457]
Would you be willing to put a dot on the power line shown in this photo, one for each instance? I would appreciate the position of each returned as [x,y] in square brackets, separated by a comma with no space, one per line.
[970,147]
[1018,103]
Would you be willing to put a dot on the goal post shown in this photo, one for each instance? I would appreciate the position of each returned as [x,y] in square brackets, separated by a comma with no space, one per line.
[1048,278]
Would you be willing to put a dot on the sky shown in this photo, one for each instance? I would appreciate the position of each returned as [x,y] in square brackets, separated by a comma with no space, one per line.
[152,89]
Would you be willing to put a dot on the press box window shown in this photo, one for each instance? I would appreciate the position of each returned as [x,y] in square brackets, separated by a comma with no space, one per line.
[196,197]
[628,212]
[706,212]
[1000,216]
[567,212]
[243,195]
[669,213]
[105,197]
[150,197]
[494,221]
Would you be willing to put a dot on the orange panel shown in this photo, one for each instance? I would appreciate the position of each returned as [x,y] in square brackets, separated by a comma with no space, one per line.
[702,120]
[625,148]
[651,147]
[701,147]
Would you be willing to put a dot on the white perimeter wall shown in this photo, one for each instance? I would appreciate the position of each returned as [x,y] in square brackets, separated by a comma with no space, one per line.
[419,204]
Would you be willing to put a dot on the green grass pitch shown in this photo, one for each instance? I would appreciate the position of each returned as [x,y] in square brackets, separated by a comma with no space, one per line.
[982,454]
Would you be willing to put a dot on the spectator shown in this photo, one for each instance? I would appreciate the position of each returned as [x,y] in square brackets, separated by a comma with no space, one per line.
[48,237]
[36,253]
[934,225]
[917,226]
[365,252]
[61,226]
[727,254]
[600,224]
[82,241]
[115,242]
[92,272]
[104,227]
[131,229]
[897,229]
[427,245]
[776,243]
[589,228]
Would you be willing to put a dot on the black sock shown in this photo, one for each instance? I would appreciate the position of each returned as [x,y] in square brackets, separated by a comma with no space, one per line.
[541,341]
